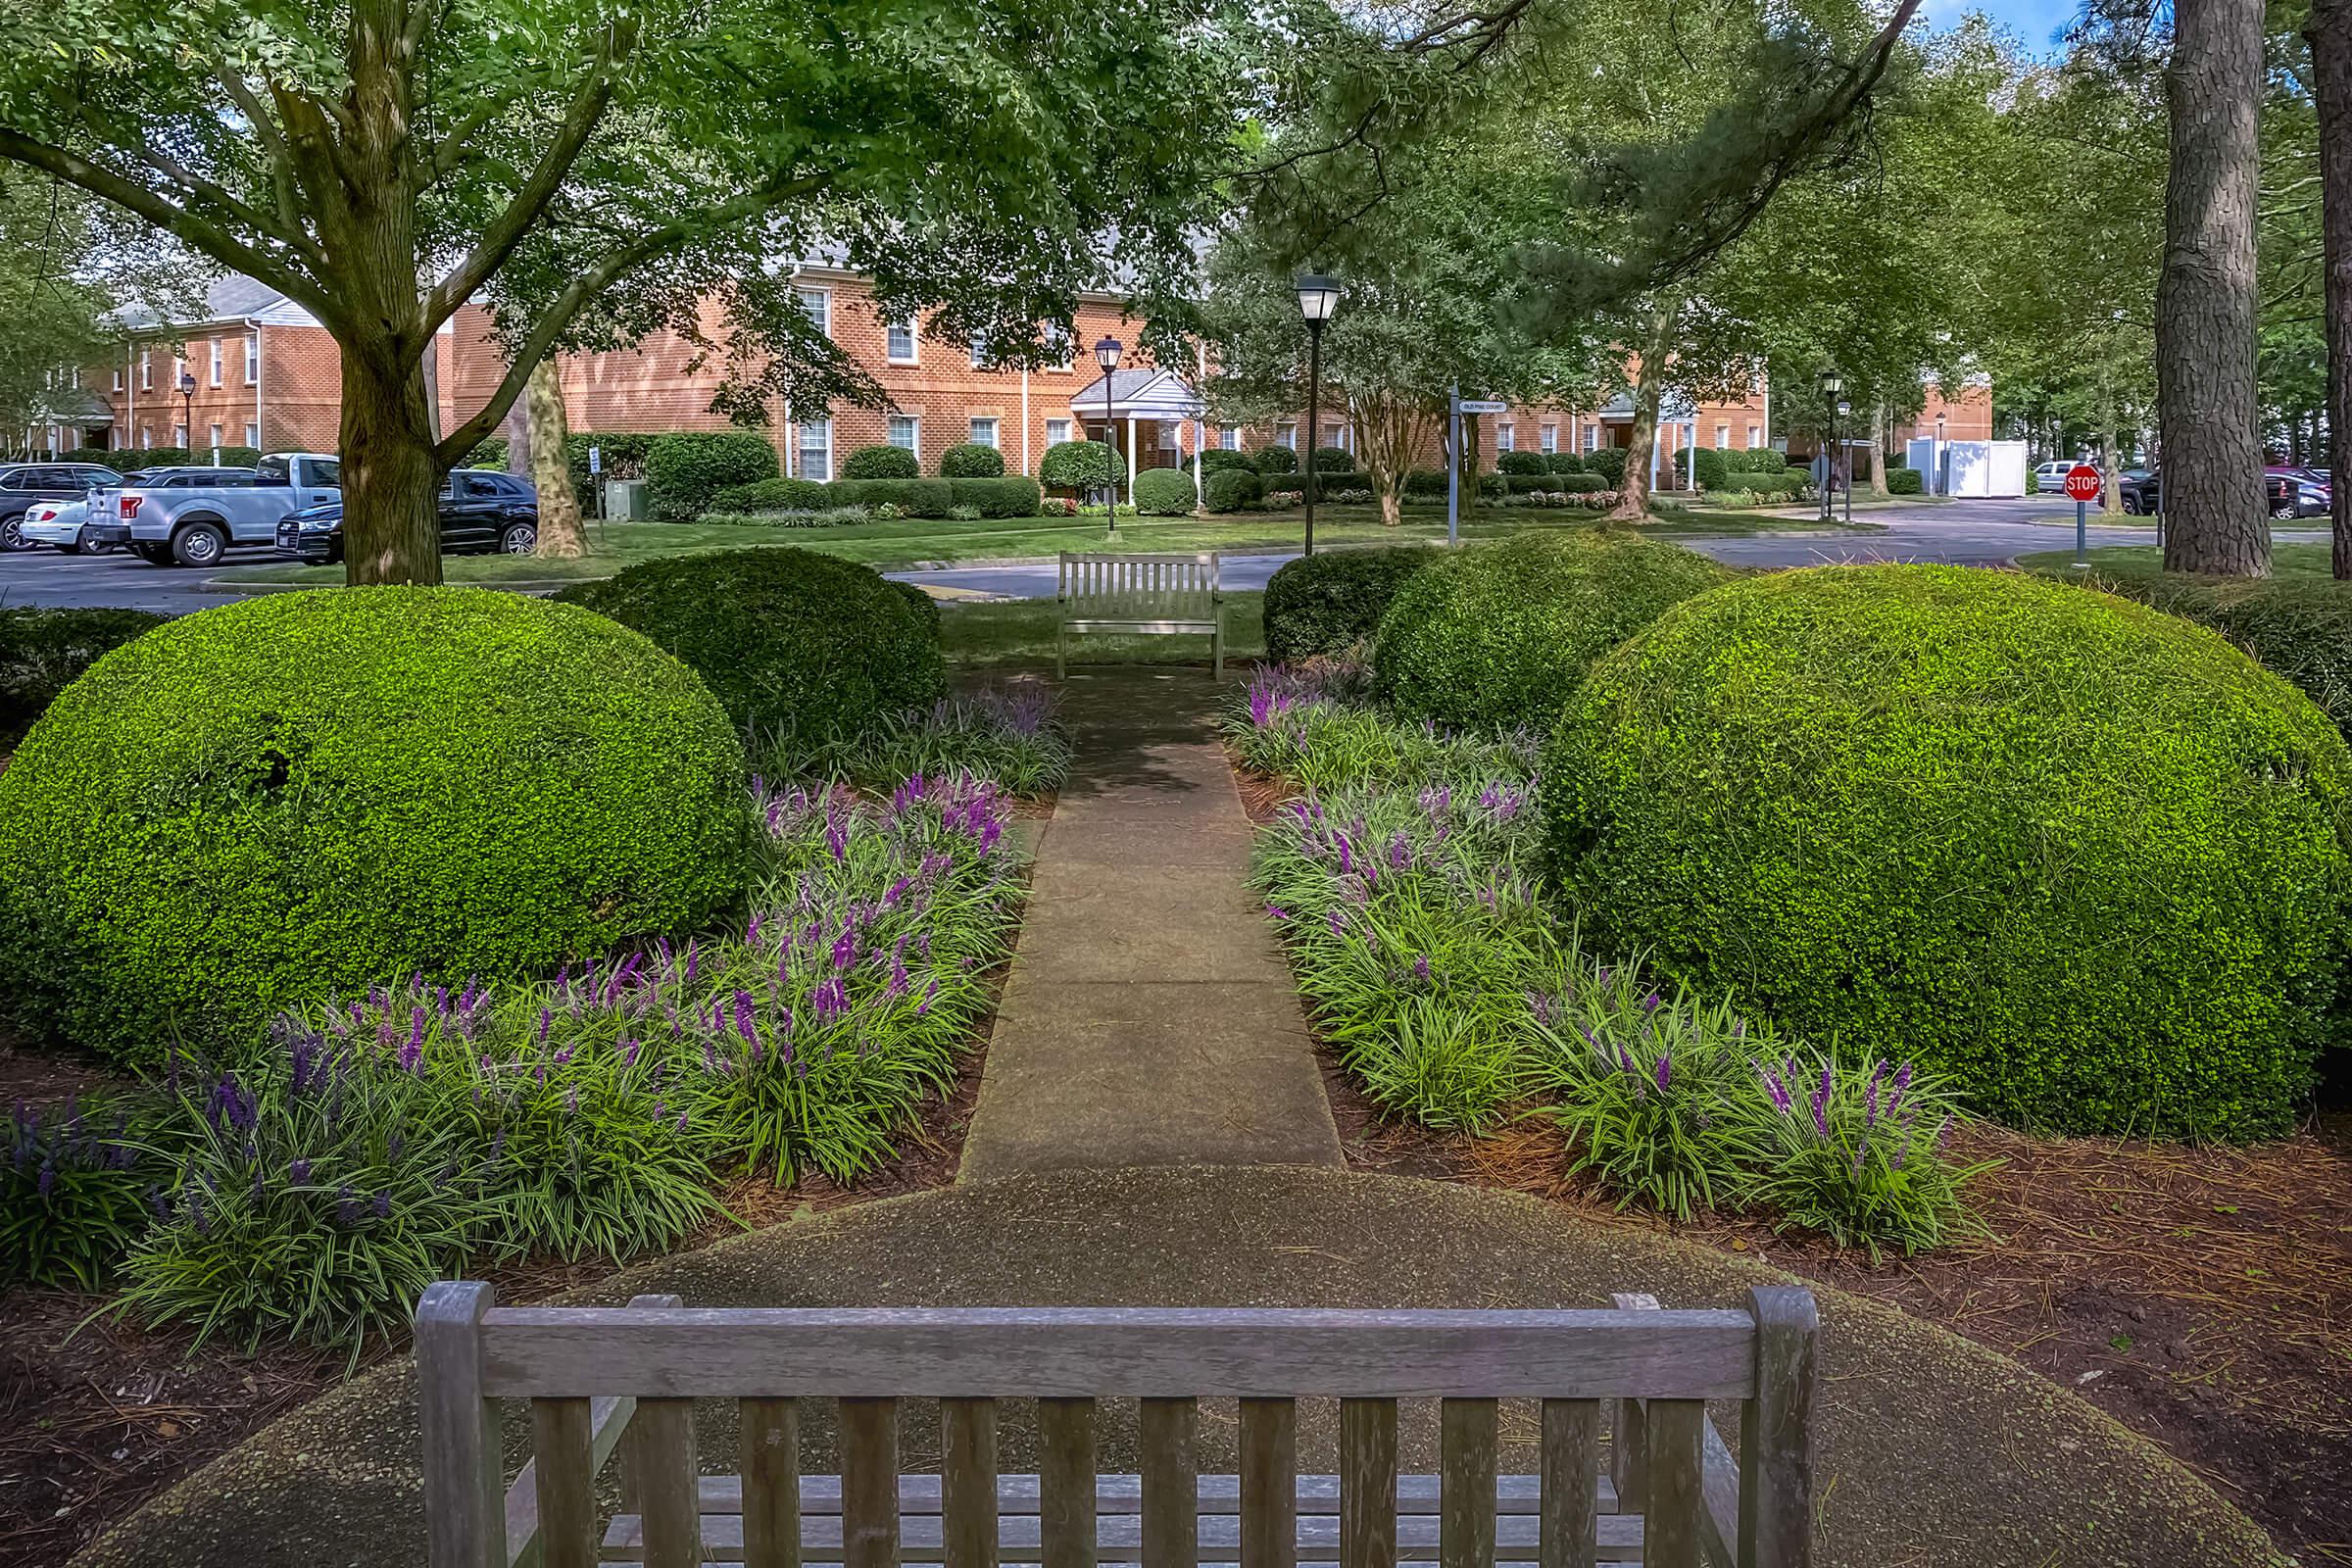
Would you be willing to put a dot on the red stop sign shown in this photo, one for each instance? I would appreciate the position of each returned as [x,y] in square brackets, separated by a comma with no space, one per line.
[2084,482]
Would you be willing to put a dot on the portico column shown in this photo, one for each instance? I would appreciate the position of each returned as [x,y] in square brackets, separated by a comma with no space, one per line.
[1130,454]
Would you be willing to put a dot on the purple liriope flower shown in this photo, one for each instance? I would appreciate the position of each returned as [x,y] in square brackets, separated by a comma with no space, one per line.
[1870,1101]
[1337,922]
[1649,1003]
[1665,1071]
[1421,967]
[751,932]
[299,1173]
[1821,1100]
[742,1018]
[411,1054]
[547,1021]
[383,1205]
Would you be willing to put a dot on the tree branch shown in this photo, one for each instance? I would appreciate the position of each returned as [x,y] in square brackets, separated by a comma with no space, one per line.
[514,221]
[207,237]
[594,279]
[273,145]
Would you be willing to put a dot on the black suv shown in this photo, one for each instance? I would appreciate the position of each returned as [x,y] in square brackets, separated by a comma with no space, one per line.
[23,483]
[482,512]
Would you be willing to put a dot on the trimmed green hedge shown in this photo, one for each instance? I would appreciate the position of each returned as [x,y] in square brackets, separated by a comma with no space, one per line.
[296,795]
[684,471]
[1524,462]
[774,495]
[884,462]
[1904,482]
[1011,495]
[1610,463]
[1579,483]
[969,460]
[1164,493]
[917,498]
[2298,628]
[1327,603]
[1426,482]
[1334,459]
[43,650]
[490,453]
[1216,458]
[1077,464]
[2082,859]
[1712,471]
[1500,635]
[1566,462]
[1233,489]
[1272,462]
[789,640]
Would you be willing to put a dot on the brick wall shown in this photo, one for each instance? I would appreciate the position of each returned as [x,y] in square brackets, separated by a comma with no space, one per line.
[300,393]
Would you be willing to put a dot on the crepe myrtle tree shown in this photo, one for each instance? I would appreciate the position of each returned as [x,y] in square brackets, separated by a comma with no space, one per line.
[595,170]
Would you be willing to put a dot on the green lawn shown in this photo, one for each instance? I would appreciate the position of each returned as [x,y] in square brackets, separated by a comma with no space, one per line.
[912,542]
[1020,631]
[2286,560]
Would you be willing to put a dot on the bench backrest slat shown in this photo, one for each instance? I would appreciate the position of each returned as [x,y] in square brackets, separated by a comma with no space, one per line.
[1139,587]
[1657,1369]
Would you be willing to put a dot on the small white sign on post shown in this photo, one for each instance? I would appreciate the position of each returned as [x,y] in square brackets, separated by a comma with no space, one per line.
[1483,406]
[596,460]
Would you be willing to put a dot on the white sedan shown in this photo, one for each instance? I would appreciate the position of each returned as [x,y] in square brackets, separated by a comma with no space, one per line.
[59,523]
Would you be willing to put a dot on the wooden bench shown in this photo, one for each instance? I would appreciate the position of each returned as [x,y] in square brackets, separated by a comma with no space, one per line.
[1175,595]
[607,1380]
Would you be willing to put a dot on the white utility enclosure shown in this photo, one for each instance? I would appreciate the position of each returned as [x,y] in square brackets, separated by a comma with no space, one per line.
[1983,469]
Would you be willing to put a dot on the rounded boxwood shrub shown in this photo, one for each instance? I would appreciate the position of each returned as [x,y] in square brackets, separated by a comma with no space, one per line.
[43,650]
[683,471]
[1164,493]
[1904,482]
[2084,860]
[790,641]
[1708,463]
[883,462]
[1215,458]
[1764,459]
[1609,462]
[1273,461]
[1565,463]
[1329,603]
[1523,462]
[1011,495]
[304,794]
[1077,464]
[774,495]
[1500,635]
[1233,489]
[1334,459]
[969,460]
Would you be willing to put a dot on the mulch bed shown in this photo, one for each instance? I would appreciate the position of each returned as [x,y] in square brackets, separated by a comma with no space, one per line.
[2202,1297]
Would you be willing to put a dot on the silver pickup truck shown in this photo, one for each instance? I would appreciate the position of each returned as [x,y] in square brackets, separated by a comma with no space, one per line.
[194,527]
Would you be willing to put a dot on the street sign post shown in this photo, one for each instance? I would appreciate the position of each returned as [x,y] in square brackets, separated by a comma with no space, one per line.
[2082,484]
[1457,406]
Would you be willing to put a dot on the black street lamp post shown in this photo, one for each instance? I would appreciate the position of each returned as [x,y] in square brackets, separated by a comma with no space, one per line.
[1830,383]
[1318,299]
[187,411]
[1107,354]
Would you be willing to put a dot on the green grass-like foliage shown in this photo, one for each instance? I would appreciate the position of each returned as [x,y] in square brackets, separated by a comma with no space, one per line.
[1164,493]
[1327,603]
[790,641]
[288,796]
[1008,735]
[2084,861]
[1307,723]
[1501,635]
[389,1139]
[74,1180]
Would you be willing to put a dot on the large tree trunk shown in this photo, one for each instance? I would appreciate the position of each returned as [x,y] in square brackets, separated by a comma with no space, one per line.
[560,530]
[2216,519]
[517,429]
[391,532]
[1880,428]
[1466,467]
[1649,388]
[391,527]
[2330,32]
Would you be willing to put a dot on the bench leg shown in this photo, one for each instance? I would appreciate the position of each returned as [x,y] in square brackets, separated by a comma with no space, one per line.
[1216,649]
[1061,646]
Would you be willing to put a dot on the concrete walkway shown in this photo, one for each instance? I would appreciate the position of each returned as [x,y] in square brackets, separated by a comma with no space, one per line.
[1148,1019]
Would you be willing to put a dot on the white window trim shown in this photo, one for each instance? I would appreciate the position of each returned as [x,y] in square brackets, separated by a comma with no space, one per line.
[915,431]
[1229,439]
[980,359]
[801,448]
[1755,436]
[253,434]
[215,432]
[1723,437]
[800,295]
[252,360]
[1548,438]
[214,367]
[1506,435]
[996,432]
[914,342]
[147,370]
[1051,426]
[117,380]
[1287,434]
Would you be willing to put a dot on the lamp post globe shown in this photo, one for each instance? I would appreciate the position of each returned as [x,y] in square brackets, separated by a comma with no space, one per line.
[1107,354]
[1318,302]
[187,410]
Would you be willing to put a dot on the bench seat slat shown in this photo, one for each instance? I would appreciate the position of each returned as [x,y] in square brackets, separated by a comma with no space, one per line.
[1087,1352]
[1119,1538]
[1123,1494]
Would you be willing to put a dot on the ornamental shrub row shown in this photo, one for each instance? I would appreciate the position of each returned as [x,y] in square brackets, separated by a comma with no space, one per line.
[1233,489]
[1164,493]
[1004,496]
[1904,481]
[1327,603]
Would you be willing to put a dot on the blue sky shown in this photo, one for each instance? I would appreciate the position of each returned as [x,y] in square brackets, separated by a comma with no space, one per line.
[2032,21]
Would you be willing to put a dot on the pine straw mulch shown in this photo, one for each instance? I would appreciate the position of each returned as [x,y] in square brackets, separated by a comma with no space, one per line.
[2202,1297]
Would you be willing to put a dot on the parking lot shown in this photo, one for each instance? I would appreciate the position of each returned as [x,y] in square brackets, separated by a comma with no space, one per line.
[117,577]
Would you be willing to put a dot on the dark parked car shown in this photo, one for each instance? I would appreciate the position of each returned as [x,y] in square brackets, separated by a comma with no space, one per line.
[23,483]
[2296,492]
[2138,491]
[482,512]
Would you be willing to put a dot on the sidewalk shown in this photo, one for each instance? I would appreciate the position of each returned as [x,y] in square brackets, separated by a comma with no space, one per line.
[1148,1019]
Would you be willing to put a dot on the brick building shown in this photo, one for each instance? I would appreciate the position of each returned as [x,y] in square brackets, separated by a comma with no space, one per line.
[267,375]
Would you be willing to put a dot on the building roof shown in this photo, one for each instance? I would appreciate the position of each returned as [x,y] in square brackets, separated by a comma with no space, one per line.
[1143,393]
[231,297]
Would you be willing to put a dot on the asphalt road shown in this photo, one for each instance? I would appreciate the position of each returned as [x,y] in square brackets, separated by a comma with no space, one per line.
[1965,532]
